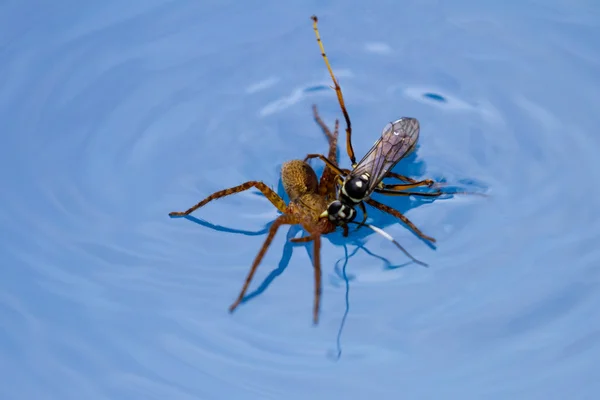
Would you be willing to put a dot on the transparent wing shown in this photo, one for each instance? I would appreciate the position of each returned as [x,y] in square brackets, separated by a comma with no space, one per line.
[397,140]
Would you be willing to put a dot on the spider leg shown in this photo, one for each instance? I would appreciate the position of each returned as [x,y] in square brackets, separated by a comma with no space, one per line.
[303,239]
[281,220]
[327,182]
[267,191]
[316,238]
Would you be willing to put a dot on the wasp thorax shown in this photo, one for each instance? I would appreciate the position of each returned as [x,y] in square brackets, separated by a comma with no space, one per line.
[357,187]
[340,213]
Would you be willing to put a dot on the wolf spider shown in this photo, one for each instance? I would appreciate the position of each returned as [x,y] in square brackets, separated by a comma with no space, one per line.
[309,197]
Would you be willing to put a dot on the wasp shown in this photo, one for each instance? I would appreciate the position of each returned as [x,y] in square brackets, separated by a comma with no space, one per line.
[309,198]
[355,187]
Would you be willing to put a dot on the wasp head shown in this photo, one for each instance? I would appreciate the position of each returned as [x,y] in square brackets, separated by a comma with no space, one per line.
[339,213]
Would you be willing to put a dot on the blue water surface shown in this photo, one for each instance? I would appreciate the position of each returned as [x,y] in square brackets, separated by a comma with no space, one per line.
[115,113]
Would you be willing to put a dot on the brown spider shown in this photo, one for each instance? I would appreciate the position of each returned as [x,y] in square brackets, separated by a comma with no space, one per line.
[308,200]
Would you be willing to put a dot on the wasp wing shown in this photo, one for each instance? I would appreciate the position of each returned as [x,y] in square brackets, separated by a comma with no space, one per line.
[397,140]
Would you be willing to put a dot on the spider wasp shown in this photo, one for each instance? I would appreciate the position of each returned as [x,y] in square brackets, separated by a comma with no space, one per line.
[309,198]
[398,139]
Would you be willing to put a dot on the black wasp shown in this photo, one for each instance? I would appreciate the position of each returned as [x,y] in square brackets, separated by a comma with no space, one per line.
[397,140]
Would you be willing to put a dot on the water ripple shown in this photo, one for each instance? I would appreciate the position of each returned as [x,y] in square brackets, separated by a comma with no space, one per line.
[117,114]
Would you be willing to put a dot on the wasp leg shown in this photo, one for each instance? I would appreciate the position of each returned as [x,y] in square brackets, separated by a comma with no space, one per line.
[406,178]
[412,185]
[267,191]
[437,193]
[338,92]
[423,194]
[364,212]
[400,177]
[427,182]
[397,214]
[430,182]
[285,219]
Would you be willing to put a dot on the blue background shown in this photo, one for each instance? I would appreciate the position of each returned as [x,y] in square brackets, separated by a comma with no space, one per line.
[115,113]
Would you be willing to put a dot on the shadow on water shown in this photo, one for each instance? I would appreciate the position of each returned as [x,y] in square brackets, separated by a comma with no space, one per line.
[222,228]
[287,256]
[342,273]
[338,339]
